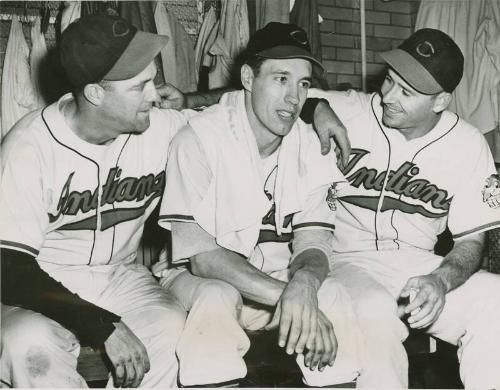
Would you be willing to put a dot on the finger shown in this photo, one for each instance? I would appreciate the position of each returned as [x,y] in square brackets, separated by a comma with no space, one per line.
[345,147]
[332,354]
[275,321]
[318,351]
[139,370]
[324,140]
[296,328]
[429,318]
[420,299]
[119,374]
[285,323]
[308,327]
[129,373]
[308,357]
[312,330]
[145,359]
[417,315]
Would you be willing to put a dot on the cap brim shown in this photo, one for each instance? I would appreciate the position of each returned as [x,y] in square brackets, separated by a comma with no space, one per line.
[285,52]
[412,71]
[140,52]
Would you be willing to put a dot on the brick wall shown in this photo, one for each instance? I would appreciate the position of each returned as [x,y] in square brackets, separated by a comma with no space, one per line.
[387,24]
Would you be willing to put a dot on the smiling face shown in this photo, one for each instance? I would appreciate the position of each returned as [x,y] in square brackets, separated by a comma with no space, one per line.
[127,103]
[407,110]
[275,96]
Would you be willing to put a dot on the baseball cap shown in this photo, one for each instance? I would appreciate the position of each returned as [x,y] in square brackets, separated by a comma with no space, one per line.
[281,41]
[107,47]
[429,60]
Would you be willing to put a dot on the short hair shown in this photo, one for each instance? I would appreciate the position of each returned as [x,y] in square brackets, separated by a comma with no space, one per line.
[253,61]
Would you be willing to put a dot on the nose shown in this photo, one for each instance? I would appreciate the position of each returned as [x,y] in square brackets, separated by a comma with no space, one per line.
[292,95]
[152,94]
[388,94]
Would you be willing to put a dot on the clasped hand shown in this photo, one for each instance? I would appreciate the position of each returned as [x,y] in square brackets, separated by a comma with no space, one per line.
[303,328]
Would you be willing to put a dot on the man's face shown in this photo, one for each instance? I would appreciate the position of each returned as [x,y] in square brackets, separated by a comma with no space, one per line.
[128,102]
[404,108]
[278,93]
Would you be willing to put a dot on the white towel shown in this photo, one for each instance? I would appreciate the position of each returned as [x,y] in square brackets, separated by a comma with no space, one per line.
[233,157]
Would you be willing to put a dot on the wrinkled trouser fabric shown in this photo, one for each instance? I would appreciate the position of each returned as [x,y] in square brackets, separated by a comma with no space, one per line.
[470,318]
[213,343]
[38,352]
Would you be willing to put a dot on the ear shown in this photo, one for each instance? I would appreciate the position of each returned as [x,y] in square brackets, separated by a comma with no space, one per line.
[247,76]
[94,94]
[441,102]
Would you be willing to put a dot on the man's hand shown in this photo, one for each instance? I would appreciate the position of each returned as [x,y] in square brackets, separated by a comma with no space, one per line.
[328,125]
[171,97]
[128,355]
[324,349]
[297,314]
[429,300]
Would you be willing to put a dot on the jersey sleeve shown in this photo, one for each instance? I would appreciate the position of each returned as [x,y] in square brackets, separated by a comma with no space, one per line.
[324,179]
[23,210]
[188,179]
[471,210]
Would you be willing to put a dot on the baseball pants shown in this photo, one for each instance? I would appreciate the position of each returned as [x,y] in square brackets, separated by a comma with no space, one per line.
[470,318]
[38,352]
[213,343]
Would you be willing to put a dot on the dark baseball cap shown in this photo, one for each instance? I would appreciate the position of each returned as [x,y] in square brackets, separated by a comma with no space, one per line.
[429,60]
[281,41]
[102,46]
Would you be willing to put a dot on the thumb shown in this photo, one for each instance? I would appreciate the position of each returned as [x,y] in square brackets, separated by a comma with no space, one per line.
[411,284]
[275,321]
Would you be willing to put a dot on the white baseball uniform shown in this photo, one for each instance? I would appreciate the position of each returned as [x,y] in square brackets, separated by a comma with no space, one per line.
[402,194]
[79,209]
[209,183]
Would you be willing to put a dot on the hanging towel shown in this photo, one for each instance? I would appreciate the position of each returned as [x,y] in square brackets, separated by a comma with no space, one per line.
[233,157]
[17,91]
[271,11]
[475,27]
[206,38]
[72,11]
[232,38]
[38,59]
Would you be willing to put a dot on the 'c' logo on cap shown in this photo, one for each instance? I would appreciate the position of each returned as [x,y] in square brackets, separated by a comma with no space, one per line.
[299,36]
[120,28]
[425,49]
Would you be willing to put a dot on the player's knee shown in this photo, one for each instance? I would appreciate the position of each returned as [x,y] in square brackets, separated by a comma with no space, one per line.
[219,294]
[28,335]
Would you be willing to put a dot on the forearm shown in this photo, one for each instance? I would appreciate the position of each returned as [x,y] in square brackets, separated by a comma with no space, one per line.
[310,266]
[204,99]
[26,285]
[234,269]
[461,262]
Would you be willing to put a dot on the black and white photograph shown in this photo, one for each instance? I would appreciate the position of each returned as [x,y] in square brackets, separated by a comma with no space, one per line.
[250,194]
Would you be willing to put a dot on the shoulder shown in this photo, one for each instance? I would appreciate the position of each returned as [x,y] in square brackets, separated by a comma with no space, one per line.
[346,104]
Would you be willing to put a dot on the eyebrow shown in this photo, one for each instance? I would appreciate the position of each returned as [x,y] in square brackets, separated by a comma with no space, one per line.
[286,72]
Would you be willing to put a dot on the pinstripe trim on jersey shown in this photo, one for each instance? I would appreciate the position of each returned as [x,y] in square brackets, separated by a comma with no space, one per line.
[42,114]
[176,217]
[271,236]
[307,225]
[19,247]
[478,229]
[386,169]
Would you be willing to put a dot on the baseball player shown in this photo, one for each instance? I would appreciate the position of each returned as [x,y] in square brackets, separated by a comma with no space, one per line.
[247,202]
[79,179]
[416,168]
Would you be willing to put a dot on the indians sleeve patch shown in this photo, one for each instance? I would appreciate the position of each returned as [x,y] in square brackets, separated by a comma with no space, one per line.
[491,191]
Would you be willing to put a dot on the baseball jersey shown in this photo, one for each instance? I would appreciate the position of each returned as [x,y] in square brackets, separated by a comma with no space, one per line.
[190,177]
[66,201]
[403,193]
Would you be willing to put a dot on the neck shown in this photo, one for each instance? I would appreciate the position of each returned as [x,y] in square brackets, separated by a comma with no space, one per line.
[86,122]
[267,142]
[422,129]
